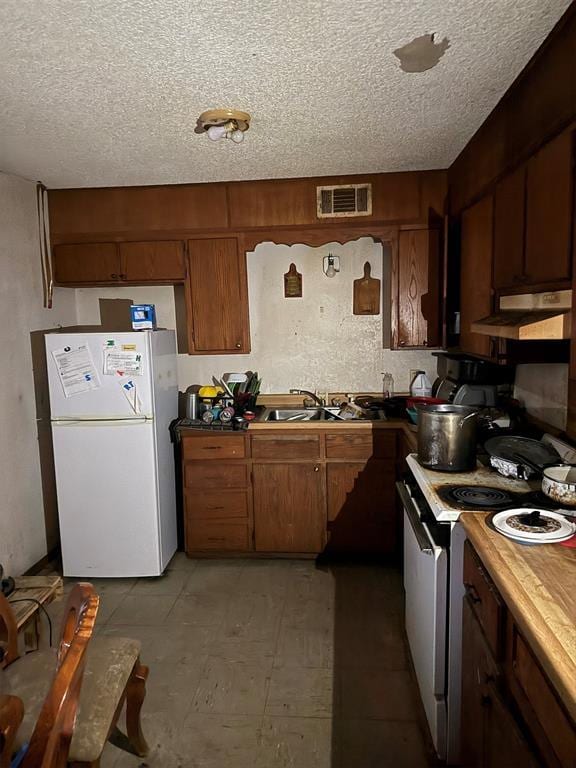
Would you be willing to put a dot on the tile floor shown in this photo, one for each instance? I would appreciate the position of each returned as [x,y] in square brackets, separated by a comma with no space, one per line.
[268,664]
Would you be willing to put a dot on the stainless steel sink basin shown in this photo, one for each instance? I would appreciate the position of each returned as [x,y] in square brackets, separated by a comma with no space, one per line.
[302,414]
[314,414]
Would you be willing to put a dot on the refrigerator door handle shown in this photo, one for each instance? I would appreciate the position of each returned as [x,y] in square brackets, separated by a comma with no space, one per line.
[130,422]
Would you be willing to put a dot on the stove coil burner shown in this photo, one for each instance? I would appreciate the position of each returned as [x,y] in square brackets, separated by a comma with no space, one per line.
[480,496]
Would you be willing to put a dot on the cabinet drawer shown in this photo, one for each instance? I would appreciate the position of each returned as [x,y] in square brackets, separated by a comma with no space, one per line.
[207,535]
[485,600]
[543,701]
[285,446]
[216,505]
[361,445]
[215,475]
[214,447]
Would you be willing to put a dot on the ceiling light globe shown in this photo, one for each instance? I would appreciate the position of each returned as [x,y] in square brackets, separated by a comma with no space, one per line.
[237,136]
[216,132]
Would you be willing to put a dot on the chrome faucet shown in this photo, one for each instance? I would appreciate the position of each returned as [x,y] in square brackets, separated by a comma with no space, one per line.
[317,400]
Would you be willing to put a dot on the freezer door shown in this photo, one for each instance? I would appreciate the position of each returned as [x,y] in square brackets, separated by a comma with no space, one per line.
[107,498]
[108,399]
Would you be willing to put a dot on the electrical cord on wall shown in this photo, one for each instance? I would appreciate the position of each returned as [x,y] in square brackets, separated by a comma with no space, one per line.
[39,604]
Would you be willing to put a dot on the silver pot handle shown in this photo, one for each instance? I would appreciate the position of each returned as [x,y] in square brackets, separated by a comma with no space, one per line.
[474,413]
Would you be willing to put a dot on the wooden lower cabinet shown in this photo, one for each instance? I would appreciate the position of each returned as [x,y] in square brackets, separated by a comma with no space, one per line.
[217,493]
[361,506]
[511,715]
[491,737]
[290,491]
[289,507]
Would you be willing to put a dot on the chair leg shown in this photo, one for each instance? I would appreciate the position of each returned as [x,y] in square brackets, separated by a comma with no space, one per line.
[135,695]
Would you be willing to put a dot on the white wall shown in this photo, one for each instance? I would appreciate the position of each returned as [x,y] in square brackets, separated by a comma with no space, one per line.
[543,390]
[22,525]
[312,342]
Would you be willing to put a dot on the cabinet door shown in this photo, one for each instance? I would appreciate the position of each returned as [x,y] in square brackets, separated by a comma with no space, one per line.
[361,506]
[289,507]
[476,274]
[476,666]
[509,221]
[419,289]
[153,262]
[504,742]
[549,210]
[75,264]
[217,297]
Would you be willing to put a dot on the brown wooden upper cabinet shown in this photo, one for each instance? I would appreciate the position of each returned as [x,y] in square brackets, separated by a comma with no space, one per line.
[96,263]
[532,220]
[476,274]
[549,211]
[509,230]
[90,263]
[418,290]
[154,261]
[217,297]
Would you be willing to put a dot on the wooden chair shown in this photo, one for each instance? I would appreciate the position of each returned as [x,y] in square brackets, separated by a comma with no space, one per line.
[113,675]
[11,714]
[49,742]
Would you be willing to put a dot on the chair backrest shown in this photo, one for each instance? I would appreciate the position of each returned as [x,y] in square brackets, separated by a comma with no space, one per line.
[10,646]
[50,741]
[11,714]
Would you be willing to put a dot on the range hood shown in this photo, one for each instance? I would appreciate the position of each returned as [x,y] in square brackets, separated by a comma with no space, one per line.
[530,317]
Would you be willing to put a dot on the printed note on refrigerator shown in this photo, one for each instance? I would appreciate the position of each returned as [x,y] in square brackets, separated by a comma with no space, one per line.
[76,369]
[128,363]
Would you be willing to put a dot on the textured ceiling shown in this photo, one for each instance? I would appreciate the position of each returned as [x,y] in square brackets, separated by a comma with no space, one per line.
[107,92]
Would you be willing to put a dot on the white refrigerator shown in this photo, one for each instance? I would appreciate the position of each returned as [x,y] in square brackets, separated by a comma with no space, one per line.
[112,398]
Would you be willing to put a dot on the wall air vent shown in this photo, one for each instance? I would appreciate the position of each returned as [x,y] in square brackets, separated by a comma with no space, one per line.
[344,200]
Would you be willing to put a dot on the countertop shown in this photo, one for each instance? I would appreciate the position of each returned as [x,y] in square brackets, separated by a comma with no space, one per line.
[538,584]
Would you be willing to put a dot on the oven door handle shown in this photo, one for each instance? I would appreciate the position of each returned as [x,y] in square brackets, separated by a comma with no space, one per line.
[422,537]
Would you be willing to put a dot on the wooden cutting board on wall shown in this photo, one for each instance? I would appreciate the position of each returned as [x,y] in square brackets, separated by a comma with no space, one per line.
[366,294]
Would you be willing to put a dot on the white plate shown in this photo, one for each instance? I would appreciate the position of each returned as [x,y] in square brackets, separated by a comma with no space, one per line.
[566,530]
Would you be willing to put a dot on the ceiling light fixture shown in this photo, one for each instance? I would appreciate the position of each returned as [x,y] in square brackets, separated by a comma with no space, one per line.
[224,124]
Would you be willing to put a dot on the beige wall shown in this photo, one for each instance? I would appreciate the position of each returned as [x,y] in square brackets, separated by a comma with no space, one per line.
[543,390]
[22,523]
[312,342]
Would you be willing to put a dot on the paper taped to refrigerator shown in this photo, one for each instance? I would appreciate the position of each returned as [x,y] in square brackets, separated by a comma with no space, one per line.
[76,369]
[122,362]
[131,394]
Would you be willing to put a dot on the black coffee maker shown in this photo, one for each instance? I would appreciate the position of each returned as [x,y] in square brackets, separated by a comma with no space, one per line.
[465,380]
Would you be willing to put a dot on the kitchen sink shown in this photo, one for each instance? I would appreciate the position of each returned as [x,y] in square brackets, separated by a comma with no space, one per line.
[302,414]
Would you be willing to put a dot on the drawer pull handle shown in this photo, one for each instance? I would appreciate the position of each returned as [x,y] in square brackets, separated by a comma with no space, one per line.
[215,508]
[316,469]
[472,593]
[210,447]
[238,345]
[114,276]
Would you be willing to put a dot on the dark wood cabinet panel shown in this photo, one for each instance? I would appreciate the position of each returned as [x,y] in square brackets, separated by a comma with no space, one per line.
[379,444]
[361,506]
[491,736]
[137,209]
[418,289]
[476,274]
[75,264]
[396,197]
[509,224]
[287,446]
[154,261]
[289,507]
[485,600]
[217,297]
[549,212]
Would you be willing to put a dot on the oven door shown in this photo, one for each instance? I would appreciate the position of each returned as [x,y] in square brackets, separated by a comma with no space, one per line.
[426,586]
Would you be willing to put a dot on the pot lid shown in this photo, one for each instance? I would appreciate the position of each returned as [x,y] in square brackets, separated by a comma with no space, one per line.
[533,526]
[511,448]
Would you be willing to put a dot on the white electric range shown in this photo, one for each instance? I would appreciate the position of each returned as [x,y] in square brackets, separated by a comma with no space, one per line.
[433,579]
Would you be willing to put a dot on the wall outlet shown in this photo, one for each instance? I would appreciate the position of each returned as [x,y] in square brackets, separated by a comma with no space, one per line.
[413,372]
